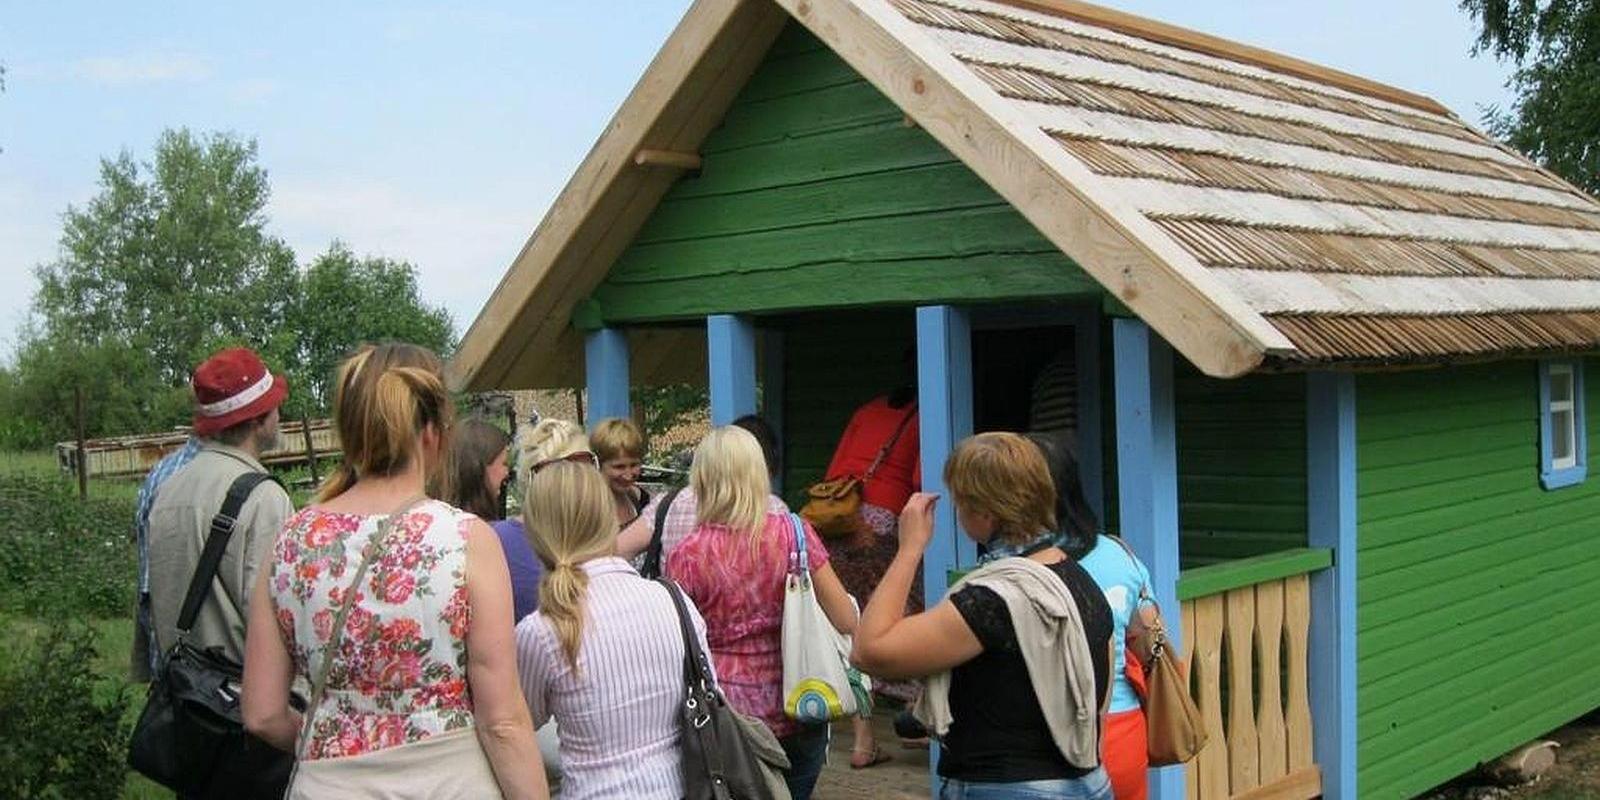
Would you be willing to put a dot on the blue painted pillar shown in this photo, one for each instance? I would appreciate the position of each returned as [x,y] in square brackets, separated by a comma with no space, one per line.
[944,394]
[1091,435]
[1331,522]
[732,343]
[605,363]
[772,388]
[1147,479]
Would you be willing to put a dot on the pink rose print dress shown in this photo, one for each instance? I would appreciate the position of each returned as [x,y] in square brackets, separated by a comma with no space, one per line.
[400,675]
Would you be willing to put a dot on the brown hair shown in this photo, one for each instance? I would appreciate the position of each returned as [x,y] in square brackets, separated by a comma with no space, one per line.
[1004,476]
[617,437]
[570,519]
[473,447]
[386,395]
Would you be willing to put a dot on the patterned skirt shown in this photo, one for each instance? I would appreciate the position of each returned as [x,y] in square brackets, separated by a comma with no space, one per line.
[860,565]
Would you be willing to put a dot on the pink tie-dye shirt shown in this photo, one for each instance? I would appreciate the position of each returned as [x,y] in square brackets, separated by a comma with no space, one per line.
[737,583]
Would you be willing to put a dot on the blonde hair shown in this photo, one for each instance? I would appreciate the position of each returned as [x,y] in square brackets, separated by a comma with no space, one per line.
[617,437]
[549,438]
[570,520]
[386,395]
[1004,476]
[730,481]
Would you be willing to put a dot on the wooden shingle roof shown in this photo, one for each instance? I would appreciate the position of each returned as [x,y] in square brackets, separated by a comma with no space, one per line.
[1254,209]
[1363,224]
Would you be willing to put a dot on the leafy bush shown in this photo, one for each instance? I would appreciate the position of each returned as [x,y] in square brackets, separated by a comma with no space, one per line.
[66,735]
[61,558]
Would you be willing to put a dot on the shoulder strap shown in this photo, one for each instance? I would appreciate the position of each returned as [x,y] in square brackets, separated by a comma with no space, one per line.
[799,557]
[319,681]
[652,555]
[216,543]
[889,445]
[696,669]
[1144,590]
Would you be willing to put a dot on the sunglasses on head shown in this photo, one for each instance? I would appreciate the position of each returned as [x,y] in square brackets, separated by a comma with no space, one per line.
[576,457]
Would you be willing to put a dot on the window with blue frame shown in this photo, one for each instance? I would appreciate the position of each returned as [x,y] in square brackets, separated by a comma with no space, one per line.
[1563,445]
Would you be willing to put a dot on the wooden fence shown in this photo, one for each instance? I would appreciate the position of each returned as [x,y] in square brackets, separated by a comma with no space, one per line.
[1245,628]
[130,456]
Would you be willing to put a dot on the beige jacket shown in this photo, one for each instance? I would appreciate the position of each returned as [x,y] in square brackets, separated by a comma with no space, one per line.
[179,522]
[1051,637]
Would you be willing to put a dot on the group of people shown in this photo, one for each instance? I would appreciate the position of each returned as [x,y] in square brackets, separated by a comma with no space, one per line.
[441,646]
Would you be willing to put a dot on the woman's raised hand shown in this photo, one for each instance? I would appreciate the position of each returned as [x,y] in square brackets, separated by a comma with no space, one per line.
[916,522]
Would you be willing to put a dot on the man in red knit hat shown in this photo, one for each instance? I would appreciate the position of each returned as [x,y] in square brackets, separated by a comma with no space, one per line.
[235,420]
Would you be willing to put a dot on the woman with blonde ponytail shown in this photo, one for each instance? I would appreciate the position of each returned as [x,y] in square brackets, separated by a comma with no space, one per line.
[734,566]
[395,608]
[603,655]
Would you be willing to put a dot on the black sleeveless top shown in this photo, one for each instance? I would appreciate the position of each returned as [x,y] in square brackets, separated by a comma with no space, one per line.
[998,732]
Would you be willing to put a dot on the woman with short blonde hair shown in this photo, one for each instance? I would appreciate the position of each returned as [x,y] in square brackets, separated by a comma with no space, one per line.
[734,566]
[603,655]
[1010,725]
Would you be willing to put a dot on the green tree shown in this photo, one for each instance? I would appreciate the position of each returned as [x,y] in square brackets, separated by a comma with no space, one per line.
[345,300]
[171,256]
[1555,45]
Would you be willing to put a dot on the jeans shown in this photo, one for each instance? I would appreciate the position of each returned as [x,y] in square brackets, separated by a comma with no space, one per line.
[806,749]
[1094,786]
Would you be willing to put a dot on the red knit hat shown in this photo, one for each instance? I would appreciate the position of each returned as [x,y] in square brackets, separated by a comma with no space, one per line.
[231,387]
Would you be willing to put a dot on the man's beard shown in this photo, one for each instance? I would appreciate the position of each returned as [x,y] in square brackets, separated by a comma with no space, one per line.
[268,440]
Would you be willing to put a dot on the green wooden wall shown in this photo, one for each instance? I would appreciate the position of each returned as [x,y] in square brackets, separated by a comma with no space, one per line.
[1241,465]
[816,194]
[1478,591]
[833,363]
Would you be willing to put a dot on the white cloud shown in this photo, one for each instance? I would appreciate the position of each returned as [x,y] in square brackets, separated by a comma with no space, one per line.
[460,247]
[142,68]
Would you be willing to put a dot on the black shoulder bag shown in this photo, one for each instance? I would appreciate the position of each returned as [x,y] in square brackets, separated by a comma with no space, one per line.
[190,737]
[652,556]
[725,755]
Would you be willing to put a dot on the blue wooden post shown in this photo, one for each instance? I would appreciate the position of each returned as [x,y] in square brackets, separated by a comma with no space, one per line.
[944,392]
[605,362]
[772,391]
[1331,521]
[1147,479]
[1091,436]
[732,343]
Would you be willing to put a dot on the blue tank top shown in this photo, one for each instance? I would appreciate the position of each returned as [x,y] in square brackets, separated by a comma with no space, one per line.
[1121,577]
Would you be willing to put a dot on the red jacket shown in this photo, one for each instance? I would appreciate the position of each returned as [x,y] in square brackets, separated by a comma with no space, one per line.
[869,429]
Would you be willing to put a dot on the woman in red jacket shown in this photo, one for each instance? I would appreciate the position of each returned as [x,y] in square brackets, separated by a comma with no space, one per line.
[881,446]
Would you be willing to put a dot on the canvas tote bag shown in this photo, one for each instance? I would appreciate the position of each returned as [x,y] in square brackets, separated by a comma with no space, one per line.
[816,683]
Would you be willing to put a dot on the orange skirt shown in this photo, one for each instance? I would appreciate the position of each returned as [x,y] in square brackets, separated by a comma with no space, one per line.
[1125,756]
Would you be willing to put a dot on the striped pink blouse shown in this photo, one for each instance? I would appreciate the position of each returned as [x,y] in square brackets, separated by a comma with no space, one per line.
[618,712]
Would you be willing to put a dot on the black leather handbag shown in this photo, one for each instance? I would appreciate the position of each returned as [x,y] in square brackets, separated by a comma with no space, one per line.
[725,755]
[190,737]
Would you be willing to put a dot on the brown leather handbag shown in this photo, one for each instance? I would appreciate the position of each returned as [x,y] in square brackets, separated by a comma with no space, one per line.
[1174,730]
[1175,733]
[833,507]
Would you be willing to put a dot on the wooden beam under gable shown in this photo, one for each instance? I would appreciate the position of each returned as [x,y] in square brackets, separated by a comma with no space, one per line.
[682,95]
[1077,212]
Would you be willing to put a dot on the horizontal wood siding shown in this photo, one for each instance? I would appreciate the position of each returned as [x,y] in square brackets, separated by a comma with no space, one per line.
[1241,465]
[834,363]
[815,194]
[1478,591]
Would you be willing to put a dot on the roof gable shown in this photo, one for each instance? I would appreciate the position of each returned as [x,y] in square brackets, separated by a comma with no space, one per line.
[1249,207]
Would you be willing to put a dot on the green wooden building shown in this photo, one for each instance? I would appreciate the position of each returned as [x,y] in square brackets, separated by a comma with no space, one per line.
[1330,342]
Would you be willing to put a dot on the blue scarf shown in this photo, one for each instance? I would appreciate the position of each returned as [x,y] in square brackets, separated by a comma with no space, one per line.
[996,549]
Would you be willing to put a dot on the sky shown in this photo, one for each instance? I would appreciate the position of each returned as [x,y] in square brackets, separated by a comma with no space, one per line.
[440,133]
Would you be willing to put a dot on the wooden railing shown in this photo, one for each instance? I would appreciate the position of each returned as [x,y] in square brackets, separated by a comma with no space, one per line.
[1245,626]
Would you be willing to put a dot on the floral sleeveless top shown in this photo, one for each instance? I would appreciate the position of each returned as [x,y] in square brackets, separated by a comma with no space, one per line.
[399,675]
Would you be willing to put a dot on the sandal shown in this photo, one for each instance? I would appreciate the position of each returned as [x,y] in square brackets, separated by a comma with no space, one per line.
[865,759]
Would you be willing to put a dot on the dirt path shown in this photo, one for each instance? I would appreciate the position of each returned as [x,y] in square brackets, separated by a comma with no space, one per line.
[1576,775]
